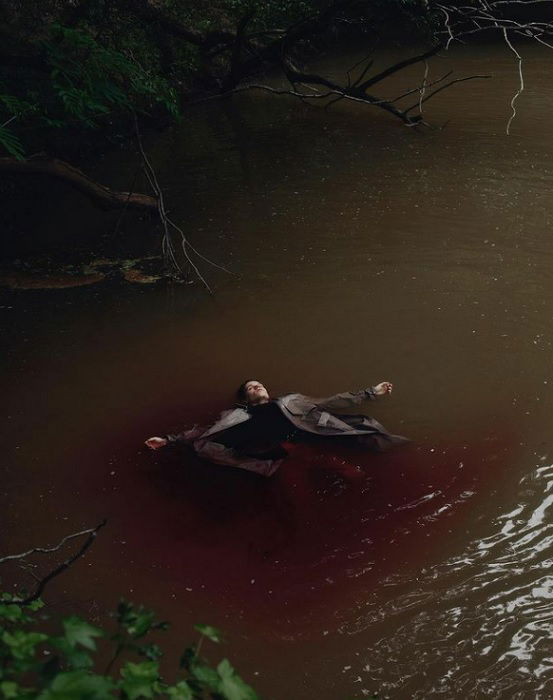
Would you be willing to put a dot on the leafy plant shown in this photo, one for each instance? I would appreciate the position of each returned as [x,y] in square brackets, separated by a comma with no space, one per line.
[10,142]
[86,82]
[36,664]
[91,79]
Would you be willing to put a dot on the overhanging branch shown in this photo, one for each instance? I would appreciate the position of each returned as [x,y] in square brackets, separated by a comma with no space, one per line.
[100,195]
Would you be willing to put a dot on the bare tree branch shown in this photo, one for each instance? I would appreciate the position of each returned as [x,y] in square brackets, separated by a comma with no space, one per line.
[167,245]
[401,65]
[423,86]
[92,533]
[521,77]
[502,17]
[443,87]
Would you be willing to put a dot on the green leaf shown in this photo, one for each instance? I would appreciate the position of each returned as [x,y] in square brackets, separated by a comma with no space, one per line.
[140,680]
[9,689]
[231,686]
[78,631]
[150,651]
[207,677]
[181,691]
[36,605]
[16,106]
[55,123]
[76,658]
[11,143]
[22,644]
[211,633]
[78,685]
[11,612]
[137,620]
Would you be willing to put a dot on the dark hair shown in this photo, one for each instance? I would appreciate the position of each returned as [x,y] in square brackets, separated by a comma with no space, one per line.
[241,394]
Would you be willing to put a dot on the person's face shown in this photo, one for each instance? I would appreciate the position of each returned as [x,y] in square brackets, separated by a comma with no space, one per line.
[256,392]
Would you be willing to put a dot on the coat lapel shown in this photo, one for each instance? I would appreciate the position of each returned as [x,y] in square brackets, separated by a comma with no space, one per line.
[226,420]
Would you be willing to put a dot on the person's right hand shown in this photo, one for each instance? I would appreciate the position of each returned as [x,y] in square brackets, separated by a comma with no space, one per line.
[156,442]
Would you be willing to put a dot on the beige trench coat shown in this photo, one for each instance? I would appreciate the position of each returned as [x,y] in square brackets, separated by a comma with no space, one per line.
[310,415]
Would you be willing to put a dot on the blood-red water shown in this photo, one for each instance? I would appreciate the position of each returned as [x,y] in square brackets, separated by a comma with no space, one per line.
[284,549]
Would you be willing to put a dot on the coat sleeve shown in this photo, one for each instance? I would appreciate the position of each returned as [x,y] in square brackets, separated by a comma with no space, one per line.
[186,437]
[215,452]
[345,400]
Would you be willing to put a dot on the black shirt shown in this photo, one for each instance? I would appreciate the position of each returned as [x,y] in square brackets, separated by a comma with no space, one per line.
[262,434]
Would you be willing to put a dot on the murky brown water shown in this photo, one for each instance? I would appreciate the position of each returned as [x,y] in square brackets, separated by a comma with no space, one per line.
[364,251]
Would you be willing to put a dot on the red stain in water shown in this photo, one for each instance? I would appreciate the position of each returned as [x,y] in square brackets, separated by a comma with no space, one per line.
[289,545]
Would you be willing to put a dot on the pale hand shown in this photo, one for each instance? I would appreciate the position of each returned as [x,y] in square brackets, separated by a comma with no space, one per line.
[383,388]
[156,442]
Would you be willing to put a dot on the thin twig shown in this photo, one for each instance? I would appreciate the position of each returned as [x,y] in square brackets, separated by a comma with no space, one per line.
[48,550]
[119,648]
[197,252]
[417,89]
[422,88]
[9,121]
[521,77]
[59,569]
[443,87]
[167,246]
[451,37]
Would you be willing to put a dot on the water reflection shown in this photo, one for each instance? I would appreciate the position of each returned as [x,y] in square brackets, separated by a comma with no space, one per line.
[488,608]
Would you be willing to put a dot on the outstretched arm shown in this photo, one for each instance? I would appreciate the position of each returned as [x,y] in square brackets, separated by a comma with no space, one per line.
[186,437]
[349,399]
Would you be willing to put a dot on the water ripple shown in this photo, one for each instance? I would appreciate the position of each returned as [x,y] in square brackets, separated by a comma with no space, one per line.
[481,622]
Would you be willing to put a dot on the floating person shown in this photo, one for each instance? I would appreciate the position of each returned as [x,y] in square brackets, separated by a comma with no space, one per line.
[250,436]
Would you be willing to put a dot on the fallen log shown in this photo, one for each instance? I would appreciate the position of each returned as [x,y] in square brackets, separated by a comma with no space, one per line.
[100,195]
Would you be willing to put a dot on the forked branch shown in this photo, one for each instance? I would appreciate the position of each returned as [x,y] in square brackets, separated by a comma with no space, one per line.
[43,582]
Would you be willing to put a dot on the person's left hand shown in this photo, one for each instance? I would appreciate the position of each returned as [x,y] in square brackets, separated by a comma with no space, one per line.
[383,388]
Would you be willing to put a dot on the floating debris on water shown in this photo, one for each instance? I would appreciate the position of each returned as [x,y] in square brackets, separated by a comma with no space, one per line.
[137,276]
[23,280]
[44,274]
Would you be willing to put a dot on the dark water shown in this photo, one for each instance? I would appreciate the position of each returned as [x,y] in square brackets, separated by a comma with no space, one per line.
[363,251]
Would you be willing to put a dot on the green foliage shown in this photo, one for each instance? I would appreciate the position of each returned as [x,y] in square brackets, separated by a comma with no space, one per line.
[81,685]
[90,79]
[231,686]
[10,142]
[86,84]
[89,65]
[135,621]
[78,631]
[38,665]
[140,680]
[13,108]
